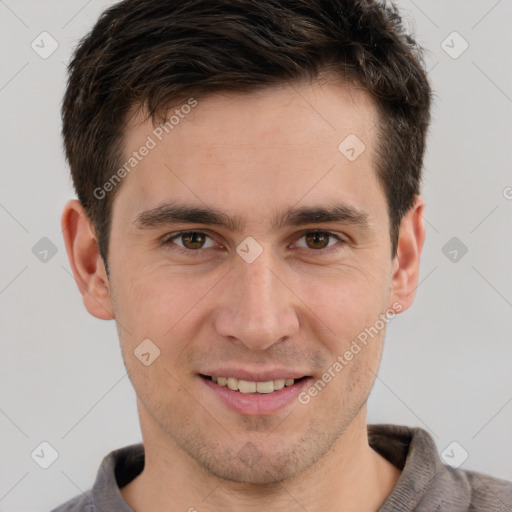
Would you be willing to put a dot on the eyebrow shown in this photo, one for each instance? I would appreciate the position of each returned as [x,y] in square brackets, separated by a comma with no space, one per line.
[172,213]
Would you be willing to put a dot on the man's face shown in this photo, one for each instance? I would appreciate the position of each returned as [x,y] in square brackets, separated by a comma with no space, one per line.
[214,310]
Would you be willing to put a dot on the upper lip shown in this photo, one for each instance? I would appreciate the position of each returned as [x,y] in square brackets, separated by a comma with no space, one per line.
[255,375]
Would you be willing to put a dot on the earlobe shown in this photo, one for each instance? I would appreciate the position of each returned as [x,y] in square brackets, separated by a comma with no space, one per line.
[406,263]
[85,260]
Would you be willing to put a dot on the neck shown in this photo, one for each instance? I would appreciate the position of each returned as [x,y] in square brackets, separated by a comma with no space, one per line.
[351,474]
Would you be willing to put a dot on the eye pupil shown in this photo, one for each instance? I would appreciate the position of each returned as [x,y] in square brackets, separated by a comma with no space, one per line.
[318,237]
[193,240]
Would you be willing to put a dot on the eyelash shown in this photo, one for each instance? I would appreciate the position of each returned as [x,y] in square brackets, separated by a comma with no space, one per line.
[167,241]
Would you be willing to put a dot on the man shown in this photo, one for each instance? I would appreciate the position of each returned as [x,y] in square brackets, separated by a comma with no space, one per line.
[249,213]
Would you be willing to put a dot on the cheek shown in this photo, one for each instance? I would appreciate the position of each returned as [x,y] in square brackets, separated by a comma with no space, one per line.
[346,299]
[162,304]
[346,314]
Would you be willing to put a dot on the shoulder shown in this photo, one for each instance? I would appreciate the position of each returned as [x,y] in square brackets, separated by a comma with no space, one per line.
[81,503]
[117,469]
[489,493]
[462,490]
[427,484]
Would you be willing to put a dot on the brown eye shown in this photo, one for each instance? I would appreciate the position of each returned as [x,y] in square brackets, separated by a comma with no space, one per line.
[191,240]
[318,240]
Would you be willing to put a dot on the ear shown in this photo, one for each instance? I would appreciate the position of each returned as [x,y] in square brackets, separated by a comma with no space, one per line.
[85,260]
[406,263]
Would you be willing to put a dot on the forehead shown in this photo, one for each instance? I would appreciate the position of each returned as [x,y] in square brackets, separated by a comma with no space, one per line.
[235,118]
[247,150]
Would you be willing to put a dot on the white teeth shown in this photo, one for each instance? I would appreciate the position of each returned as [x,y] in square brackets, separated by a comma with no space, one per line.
[278,384]
[233,383]
[246,386]
[264,387]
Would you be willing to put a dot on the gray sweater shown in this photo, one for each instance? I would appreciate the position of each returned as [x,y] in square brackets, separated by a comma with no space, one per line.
[425,485]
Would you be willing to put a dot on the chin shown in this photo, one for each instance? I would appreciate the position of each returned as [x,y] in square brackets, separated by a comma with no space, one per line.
[259,466]
[262,473]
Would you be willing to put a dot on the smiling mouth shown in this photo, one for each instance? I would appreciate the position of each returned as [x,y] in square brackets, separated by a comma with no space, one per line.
[251,387]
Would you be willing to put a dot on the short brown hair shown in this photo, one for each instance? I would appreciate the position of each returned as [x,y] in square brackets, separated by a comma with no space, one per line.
[157,52]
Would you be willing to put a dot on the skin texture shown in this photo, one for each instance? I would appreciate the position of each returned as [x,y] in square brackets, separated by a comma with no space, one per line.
[295,307]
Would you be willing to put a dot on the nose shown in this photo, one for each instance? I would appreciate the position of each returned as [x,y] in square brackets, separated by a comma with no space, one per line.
[257,308]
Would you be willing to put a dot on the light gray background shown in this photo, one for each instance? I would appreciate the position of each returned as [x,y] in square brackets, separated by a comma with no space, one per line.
[447,361]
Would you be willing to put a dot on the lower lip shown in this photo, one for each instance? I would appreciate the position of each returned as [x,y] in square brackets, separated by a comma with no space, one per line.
[257,405]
